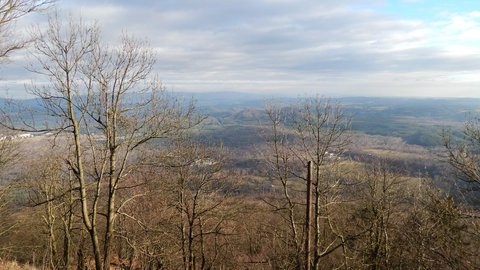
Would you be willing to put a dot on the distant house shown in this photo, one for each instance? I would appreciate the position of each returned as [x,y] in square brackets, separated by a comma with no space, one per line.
[204,162]
[17,136]
[329,155]
[24,136]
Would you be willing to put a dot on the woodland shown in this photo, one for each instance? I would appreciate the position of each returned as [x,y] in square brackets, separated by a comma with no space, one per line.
[109,170]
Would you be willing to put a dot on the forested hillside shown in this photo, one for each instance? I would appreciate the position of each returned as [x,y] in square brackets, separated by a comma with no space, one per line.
[104,168]
[184,199]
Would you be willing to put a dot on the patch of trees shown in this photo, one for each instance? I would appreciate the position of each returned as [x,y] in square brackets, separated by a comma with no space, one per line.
[424,138]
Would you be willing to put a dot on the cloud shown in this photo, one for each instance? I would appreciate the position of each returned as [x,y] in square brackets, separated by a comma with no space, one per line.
[294,46]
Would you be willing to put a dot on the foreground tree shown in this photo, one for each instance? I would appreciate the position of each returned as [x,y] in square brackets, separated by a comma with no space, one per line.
[188,222]
[463,155]
[405,222]
[9,154]
[287,205]
[50,187]
[198,200]
[382,193]
[10,12]
[316,131]
[106,107]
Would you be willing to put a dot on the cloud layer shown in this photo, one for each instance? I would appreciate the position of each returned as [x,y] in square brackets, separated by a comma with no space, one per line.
[335,48]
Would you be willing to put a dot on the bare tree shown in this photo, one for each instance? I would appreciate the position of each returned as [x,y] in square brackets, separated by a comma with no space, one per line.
[463,155]
[9,155]
[321,129]
[281,168]
[8,151]
[105,104]
[190,188]
[405,222]
[50,186]
[10,12]
[198,187]
[315,130]
[382,191]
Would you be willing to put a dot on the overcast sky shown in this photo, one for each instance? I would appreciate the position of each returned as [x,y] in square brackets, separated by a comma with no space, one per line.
[294,47]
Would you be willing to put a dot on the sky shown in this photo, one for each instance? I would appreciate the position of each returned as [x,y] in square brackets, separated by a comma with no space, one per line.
[335,48]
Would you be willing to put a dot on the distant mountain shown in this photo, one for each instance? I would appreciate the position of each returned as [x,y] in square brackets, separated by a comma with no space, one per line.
[225,100]
[416,120]
[16,105]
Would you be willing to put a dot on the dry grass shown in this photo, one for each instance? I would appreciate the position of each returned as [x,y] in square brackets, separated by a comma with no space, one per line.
[9,265]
